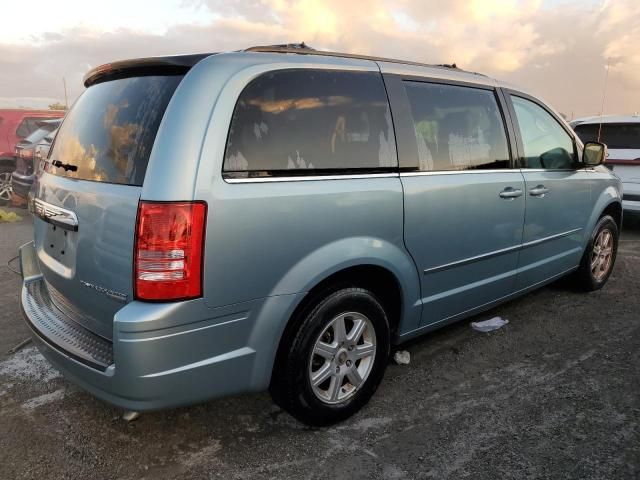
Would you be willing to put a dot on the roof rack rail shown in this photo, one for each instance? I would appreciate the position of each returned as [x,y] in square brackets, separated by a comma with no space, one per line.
[304,49]
[282,46]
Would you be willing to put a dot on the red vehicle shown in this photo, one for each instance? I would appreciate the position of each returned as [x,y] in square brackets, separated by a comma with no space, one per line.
[16,124]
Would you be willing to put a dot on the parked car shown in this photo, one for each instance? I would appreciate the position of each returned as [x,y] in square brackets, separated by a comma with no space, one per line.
[621,133]
[279,218]
[16,124]
[29,154]
[43,147]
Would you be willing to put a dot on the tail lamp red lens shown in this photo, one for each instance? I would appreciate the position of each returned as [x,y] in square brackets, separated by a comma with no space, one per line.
[24,153]
[169,250]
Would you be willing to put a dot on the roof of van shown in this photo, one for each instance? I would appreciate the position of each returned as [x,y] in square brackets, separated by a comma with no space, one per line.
[607,119]
[53,122]
[182,63]
[303,49]
[32,111]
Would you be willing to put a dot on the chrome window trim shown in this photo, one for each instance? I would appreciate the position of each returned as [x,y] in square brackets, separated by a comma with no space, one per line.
[524,170]
[298,178]
[502,251]
[458,172]
[303,178]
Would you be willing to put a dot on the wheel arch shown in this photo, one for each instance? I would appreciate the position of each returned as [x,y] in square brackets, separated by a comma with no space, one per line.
[608,203]
[615,210]
[380,281]
[377,265]
[344,258]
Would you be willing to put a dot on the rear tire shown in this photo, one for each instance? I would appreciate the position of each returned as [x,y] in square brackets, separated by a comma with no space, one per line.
[5,184]
[599,257]
[336,359]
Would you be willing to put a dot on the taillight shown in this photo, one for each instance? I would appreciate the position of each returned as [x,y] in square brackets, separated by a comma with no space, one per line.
[25,154]
[169,250]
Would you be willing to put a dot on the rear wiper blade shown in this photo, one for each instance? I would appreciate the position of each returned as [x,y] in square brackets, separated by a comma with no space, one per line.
[66,166]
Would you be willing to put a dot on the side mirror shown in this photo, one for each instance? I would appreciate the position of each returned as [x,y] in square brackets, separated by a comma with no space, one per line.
[594,153]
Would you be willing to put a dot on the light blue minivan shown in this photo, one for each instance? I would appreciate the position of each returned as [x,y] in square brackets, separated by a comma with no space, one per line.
[280,218]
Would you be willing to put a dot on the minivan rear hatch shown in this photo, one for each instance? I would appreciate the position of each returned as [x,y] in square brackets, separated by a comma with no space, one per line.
[86,196]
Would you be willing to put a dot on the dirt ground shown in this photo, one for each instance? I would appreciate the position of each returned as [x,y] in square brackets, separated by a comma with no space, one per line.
[554,394]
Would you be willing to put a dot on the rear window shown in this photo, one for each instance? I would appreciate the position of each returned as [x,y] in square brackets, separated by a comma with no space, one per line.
[109,132]
[304,122]
[614,135]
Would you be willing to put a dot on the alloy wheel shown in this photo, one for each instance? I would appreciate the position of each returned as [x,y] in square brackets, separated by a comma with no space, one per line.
[5,186]
[342,357]
[602,254]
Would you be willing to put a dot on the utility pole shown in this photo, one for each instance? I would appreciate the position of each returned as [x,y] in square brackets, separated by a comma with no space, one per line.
[66,101]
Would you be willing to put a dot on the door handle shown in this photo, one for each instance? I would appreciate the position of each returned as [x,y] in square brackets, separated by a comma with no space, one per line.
[539,191]
[510,193]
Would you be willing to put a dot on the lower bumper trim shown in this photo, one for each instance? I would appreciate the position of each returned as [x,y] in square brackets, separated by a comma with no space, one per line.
[62,333]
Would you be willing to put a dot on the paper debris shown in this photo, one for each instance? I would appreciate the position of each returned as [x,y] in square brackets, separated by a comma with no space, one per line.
[402,357]
[489,325]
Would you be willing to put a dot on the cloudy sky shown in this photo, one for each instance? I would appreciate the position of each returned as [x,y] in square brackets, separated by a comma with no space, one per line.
[559,48]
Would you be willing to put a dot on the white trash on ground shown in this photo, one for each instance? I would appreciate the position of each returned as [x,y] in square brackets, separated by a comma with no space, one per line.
[130,416]
[489,325]
[402,357]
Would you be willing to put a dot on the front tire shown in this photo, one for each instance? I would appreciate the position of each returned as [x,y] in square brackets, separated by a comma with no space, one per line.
[336,359]
[599,256]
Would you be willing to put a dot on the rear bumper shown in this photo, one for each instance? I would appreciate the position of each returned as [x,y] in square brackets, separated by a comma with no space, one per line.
[21,184]
[163,355]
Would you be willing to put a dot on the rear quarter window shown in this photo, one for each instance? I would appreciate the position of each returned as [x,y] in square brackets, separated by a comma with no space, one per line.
[297,122]
[109,133]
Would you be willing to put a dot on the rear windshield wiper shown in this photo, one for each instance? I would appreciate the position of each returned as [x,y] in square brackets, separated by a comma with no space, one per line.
[67,166]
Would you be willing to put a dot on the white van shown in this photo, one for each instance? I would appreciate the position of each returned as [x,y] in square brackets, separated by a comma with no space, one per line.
[621,133]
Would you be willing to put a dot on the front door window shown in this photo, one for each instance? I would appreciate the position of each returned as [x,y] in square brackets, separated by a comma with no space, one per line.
[544,142]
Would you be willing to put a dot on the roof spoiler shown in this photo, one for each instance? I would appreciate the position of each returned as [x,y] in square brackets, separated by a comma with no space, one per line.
[53,122]
[170,65]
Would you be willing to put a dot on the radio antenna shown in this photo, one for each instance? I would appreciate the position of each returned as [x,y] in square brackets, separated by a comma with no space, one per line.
[66,101]
[604,93]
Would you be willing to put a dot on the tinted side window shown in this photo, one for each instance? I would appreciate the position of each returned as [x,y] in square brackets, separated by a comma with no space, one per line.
[457,128]
[27,127]
[615,135]
[310,121]
[546,144]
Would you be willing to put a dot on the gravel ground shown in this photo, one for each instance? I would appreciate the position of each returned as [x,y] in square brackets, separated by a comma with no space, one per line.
[554,394]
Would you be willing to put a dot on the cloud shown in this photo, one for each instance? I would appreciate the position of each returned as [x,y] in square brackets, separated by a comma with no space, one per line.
[558,48]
